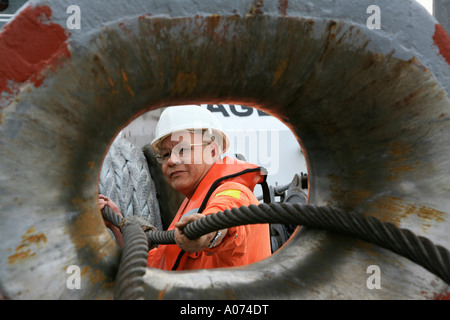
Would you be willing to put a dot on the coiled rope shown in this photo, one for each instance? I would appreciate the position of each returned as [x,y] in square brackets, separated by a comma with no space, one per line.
[125,178]
[404,242]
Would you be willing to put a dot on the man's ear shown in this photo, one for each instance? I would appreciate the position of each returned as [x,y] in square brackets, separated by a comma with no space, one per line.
[214,149]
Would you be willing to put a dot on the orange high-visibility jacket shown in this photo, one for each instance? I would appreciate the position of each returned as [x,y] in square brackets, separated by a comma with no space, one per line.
[242,245]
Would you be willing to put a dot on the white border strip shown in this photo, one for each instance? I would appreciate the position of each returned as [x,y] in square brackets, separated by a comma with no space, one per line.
[6,17]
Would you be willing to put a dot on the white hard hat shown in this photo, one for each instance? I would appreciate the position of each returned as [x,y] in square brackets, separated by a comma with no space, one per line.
[188,117]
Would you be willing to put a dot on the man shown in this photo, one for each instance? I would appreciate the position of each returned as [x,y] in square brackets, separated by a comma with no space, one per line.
[189,144]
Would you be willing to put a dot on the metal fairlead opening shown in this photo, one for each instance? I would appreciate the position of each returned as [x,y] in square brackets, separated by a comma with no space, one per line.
[134,181]
[370,107]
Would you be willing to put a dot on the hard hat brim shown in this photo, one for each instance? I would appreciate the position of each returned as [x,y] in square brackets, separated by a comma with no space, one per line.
[156,143]
[184,118]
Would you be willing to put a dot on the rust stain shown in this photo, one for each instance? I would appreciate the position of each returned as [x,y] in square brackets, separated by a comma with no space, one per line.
[95,276]
[428,216]
[124,75]
[416,62]
[361,195]
[332,28]
[88,226]
[442,296]
[89,232]
[310,23]
[30,240]
[257,8]
[108,285]
[98,61]
[214,25]
[90,237]
[111,82]
[283,6]
[212,22]
[394,210]
[185,83]
[161,294]
[370,250]
[400,154]
[126,84]
[281,69]
[387,209]
[348,199]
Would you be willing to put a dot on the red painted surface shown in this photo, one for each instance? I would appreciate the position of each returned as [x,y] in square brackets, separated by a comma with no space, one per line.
[442,296]
[282,7]
[29,44]
[442,41]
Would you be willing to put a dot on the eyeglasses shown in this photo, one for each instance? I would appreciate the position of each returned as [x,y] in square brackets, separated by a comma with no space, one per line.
[181,151]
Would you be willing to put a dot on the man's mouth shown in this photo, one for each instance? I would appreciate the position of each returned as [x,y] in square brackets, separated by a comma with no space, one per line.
[176,174]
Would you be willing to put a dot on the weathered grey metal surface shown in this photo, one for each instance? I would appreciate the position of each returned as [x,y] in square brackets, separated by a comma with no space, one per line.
[441,10]
[370,108]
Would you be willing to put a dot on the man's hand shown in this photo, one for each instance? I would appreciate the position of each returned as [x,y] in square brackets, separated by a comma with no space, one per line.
[104,201]
[187,244]
[199,244]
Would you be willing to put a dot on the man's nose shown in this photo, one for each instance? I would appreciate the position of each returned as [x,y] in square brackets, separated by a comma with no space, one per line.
[174,160]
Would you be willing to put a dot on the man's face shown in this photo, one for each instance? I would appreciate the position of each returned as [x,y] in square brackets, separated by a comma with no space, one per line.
[190,160]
